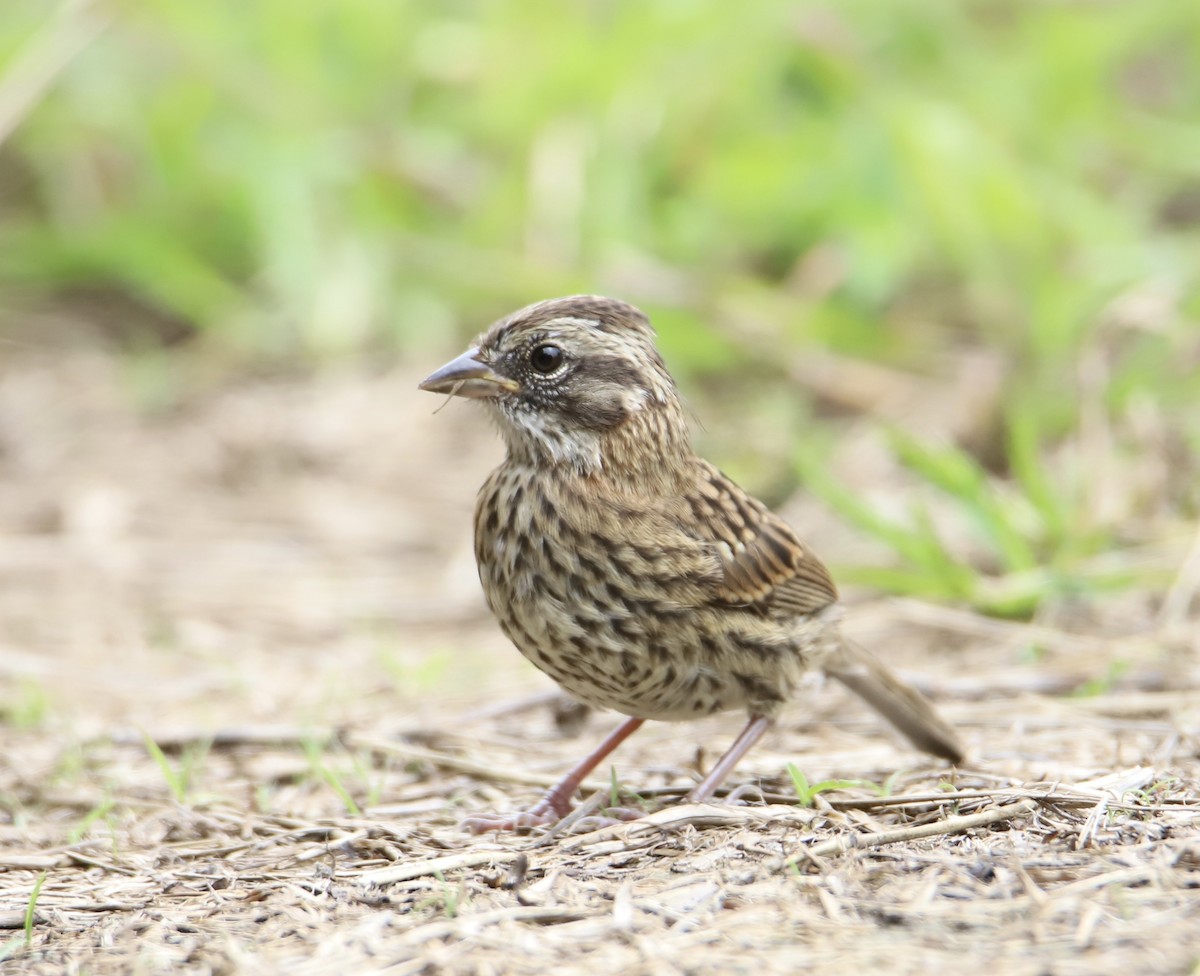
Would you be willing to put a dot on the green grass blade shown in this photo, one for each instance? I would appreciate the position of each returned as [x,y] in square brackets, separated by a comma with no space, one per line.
[31,908]
[174,779]
[960,476]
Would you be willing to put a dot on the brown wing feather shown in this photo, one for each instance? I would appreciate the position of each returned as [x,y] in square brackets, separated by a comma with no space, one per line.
[764,562]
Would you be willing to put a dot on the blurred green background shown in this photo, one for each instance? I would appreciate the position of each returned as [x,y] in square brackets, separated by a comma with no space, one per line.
[788,188]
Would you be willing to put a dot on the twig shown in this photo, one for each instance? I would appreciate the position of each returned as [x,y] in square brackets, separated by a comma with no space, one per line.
[227,738]
[616,837]
[471,924]
[1136,704]
[16,920]
[100,907]
[951,825]
[1088,832]
[503,709]
[33,862]
[80,858]
[977,625]
[588,807]
[460,764]
[451,862]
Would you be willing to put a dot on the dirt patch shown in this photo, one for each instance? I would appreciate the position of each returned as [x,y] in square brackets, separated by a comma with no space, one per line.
[271,580]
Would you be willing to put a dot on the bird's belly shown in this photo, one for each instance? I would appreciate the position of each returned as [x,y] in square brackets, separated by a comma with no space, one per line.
[645,661]
[623,673]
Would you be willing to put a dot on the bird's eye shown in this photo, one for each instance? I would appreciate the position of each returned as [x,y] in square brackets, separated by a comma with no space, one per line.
[546,358]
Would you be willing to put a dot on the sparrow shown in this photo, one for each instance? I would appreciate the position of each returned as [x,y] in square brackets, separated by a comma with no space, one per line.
[630,570]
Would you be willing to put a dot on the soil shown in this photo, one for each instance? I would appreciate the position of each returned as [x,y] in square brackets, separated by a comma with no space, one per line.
[248,690]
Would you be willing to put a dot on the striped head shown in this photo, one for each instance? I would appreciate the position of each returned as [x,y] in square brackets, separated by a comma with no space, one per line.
[570,380]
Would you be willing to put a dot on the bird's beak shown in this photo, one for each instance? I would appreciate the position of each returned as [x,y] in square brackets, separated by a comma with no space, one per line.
[467,376]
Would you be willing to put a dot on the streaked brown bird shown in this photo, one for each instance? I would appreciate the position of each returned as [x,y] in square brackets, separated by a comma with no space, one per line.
[631,571]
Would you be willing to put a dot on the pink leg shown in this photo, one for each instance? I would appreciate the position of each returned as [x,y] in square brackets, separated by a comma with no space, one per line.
[742,744]
[556,804]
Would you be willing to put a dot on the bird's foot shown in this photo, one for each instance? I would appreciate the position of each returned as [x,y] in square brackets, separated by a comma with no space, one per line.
[610,818]
[481,823]
[545,812]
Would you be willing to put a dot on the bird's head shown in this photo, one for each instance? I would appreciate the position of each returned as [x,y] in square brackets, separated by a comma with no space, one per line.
[571,381]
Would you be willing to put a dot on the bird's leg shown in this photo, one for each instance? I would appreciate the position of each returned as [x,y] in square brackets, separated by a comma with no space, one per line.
[556,804]
[558,798]
[741,745]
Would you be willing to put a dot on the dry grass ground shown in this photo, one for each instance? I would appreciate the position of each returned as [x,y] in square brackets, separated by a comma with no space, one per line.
[272,581]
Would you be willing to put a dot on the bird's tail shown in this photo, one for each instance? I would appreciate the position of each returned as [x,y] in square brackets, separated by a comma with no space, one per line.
[901,704]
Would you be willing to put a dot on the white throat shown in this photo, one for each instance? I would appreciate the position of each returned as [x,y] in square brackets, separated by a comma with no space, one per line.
[531,433]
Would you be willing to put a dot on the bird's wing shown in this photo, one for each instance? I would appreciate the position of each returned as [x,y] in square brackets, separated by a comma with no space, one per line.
[763,562]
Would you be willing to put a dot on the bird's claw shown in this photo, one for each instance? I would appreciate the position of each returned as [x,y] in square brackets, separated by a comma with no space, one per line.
[543,814]
[612,816]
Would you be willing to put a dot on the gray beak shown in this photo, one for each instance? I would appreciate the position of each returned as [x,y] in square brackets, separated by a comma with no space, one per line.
[468,377]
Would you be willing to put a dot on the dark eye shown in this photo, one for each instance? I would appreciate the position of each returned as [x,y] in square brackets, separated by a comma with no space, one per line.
[546,358]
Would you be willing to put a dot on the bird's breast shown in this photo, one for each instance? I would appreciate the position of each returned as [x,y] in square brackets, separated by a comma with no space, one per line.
[614,617]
